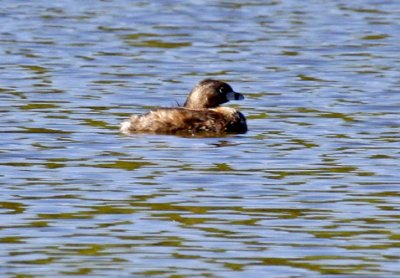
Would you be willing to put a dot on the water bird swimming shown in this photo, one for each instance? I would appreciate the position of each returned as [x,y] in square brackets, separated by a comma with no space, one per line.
[201,113]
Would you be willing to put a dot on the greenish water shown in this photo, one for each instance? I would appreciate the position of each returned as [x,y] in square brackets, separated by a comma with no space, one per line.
[311,190]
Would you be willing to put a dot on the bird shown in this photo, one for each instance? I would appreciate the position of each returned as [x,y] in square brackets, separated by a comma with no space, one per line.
[200,114]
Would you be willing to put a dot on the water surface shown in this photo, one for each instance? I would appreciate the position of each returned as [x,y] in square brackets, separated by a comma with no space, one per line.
[310,190]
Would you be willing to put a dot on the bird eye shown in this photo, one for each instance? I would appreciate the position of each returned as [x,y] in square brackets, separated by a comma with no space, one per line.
[221,90]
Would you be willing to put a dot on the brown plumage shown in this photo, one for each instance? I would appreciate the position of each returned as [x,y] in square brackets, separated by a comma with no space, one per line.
[201,113]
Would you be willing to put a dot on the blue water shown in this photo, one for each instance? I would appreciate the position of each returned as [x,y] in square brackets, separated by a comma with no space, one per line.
[310,190]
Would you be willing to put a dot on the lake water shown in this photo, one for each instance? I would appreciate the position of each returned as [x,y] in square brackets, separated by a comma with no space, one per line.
[311,190]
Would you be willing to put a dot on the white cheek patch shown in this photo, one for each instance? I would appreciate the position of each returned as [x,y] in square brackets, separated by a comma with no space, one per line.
[234,96]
